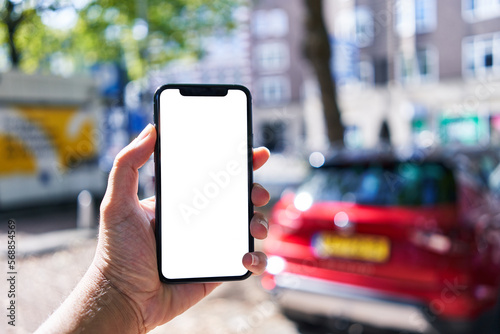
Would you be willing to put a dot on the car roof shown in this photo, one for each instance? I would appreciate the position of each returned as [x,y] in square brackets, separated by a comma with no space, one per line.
[451,157]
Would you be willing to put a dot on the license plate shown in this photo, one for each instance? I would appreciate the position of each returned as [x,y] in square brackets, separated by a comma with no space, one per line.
[363,247]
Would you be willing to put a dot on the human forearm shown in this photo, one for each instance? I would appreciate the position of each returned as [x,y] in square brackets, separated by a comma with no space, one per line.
[95,306]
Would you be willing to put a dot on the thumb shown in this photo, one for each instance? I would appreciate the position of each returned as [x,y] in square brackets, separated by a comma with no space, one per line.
[124,176]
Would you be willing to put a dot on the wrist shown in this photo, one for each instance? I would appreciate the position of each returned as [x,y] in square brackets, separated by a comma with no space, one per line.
[95,306]
[111,309]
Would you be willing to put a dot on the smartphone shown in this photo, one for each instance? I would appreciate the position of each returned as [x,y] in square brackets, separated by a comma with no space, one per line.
[203,164]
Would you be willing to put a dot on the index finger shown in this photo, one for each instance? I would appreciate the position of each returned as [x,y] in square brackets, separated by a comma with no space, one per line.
[260,156]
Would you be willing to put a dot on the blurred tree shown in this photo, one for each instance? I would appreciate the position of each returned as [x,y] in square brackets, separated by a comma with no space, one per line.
[74,34]
[318,51]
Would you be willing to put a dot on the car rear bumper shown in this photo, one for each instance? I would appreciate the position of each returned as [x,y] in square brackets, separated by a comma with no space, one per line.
[319,298]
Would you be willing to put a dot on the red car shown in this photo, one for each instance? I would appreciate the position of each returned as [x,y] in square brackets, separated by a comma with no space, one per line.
[386,242]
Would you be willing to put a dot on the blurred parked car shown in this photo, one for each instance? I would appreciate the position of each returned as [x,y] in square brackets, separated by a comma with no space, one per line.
[401,243]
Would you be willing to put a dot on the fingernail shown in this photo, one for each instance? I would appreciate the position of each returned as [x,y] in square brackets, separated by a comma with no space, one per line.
[255,259]
[264,223]
[258,185]
[144,133]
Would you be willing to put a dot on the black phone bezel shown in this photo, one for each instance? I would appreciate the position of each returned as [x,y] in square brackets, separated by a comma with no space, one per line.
[200,90]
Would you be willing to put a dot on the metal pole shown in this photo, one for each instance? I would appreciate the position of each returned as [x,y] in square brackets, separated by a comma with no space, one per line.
[85,216]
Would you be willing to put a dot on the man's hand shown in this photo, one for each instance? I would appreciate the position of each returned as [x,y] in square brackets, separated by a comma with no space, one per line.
[122,285]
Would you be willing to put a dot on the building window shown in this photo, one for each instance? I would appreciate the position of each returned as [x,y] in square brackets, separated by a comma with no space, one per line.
[380,71]
[272,57]
[349,69]
[345,61]
[366,73]
[478,10]
[273,90]
[273,136]
[355,26]
[481,55]
[405,17]
[425,16]
[417,68]
[270,23]
[415,16]
[364,26]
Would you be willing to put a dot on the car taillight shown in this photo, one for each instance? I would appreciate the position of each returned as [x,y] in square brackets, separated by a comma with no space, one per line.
[288,217]
[438,242]
[268,282]
[303,201]
[275,265]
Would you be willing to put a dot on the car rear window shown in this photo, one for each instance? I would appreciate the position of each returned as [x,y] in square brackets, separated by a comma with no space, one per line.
[403,184]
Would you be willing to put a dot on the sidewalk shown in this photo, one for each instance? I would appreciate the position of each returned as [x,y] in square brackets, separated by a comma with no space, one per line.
[44,230]
[49,242]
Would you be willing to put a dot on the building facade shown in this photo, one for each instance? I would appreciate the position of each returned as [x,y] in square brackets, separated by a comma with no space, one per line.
[430,69]
[277,74]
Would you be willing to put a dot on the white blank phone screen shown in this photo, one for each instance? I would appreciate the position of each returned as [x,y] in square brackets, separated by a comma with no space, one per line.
[204,184]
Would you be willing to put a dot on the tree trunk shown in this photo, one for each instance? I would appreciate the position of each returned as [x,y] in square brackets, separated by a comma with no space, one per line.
[14,55]
[317,50]
[12,23]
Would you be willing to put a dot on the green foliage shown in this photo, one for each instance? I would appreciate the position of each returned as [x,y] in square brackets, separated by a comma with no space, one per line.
[140,34]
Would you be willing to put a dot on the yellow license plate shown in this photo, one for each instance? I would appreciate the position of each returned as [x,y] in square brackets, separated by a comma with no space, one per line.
[363,247]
